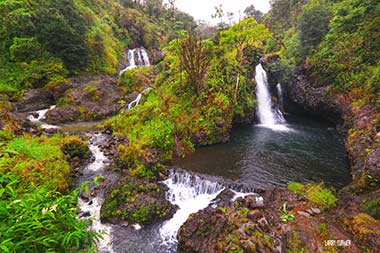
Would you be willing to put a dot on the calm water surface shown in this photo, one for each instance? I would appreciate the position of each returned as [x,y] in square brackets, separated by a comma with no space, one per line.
[311,151]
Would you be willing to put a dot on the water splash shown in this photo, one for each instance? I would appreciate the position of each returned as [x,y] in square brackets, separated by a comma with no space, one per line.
[41,115]
[191,194]
[268,116]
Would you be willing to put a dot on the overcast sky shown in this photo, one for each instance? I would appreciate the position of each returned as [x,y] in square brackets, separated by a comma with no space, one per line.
[203,9]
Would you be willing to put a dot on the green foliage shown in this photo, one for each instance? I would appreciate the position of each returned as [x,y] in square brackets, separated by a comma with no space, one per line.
[45,41]
[135,79]
[36,161]
[36,211]
[372,207]
[296,188]
[314,24]
[40,220]
[74,147]
[315,193]
[320,196]
[285,216]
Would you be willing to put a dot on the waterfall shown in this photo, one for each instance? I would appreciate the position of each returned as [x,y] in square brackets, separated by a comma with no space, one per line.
[280,95]
[91,206]
[268,115]
[138,98]
[142,59]
[41,115]
[191,194]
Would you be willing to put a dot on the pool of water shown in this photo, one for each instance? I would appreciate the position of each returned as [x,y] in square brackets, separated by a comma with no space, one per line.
[309,151]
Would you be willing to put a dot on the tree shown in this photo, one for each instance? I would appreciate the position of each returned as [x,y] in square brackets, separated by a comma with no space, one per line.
[251,11]
[314,25]
[219,13]
[247,33]
[195,60]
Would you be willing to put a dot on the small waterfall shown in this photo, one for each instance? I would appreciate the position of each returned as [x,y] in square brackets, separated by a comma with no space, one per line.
[268,115]
[38,117]
[191,194]
[133,62]
[138,98]
[91,206]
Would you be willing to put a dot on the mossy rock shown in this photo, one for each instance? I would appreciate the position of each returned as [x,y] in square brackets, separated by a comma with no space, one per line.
[365,229]
[136,200]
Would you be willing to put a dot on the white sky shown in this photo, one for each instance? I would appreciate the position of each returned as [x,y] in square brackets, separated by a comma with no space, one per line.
[203,9]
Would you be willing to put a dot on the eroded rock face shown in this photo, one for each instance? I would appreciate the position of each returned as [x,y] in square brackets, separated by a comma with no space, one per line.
[92,100]
[34,100]
[314,100]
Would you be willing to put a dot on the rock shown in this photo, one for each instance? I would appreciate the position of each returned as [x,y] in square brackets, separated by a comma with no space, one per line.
[84,215]
[316,210]
[302,213]
[254,214]
[304,97]
[264,225]
[35,100]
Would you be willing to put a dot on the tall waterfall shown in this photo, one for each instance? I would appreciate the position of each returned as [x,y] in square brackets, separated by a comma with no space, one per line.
[137,58]
[268,115]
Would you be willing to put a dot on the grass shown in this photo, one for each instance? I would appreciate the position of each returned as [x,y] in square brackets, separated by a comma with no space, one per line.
[37,211]
[315,193]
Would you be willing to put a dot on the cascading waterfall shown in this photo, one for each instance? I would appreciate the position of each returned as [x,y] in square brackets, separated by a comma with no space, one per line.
[41,115]
[138,98]
[191,194]
[92,206]
[142,59]
[268,116]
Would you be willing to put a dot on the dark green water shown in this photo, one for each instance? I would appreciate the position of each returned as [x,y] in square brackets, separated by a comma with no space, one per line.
[311,151]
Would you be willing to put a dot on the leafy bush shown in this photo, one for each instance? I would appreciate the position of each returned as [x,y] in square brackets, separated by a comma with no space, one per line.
[40,220]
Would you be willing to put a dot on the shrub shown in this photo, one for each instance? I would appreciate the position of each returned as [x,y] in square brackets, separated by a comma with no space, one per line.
[320,196]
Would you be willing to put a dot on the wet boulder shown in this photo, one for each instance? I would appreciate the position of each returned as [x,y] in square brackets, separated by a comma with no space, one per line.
[136,200]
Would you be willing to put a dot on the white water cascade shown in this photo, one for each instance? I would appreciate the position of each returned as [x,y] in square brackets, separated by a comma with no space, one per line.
[133,62]
[93,205]
[138,98]
[37,117]
[268,116]
[191,194]
[280,94]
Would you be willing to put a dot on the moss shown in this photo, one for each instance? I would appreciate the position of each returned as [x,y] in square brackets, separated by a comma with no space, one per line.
[136,201]
[365,229]
[372,207]
[296,188]
[320,196]
[294,244]
[315,193]
[74,147]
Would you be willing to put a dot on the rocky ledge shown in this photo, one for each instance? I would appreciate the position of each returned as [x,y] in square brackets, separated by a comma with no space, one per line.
[286,222]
